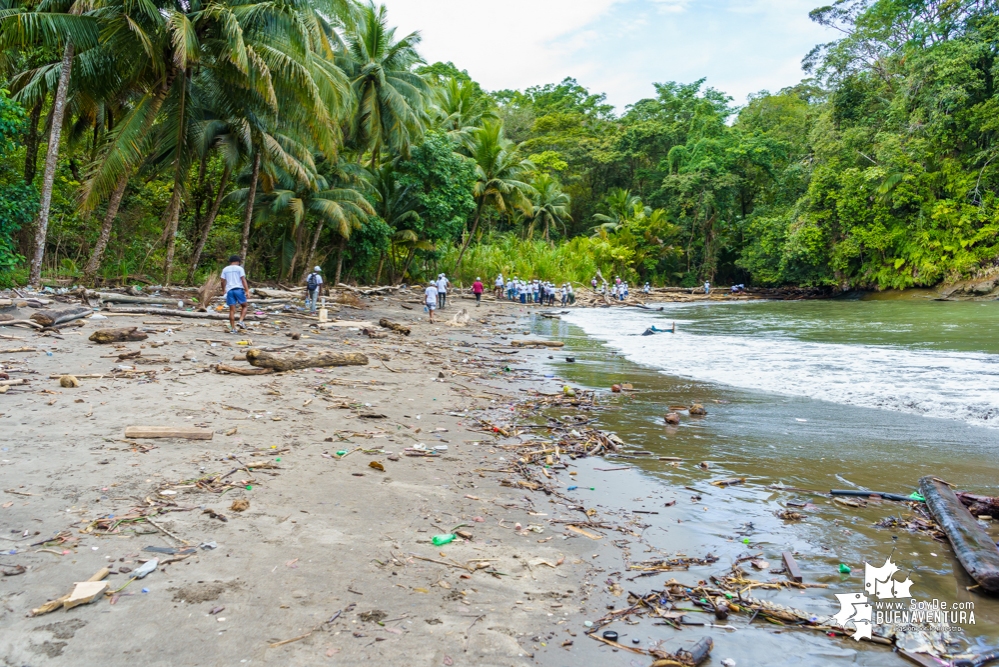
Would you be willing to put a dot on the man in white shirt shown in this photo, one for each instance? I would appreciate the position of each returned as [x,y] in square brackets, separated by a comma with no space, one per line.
[313,283]
[707,287]
[442,284]
[499,286]
[236,289]
[431,296]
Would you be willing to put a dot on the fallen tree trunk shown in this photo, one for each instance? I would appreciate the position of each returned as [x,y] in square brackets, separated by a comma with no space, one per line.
[173,312]
[104,336]
[394,326]
[972,545]
[542,343]
[373,290]
[236,370]
[23,323]
[980,505]
[51,317]
[263,359]
[277,293]
[114,297]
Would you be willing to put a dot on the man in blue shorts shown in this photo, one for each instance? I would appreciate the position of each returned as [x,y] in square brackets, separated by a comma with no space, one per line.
[236,289]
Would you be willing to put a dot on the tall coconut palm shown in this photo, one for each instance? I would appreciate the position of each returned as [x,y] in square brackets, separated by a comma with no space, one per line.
[499,173]
[395,205]
[620,206]
[460,106]
[550,204]
[391,98]
[71,28]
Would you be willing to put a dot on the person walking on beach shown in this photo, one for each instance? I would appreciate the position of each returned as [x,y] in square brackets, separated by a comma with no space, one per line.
[572,295]
[594,283]
[499,286]
[647,289]
[477,291]
[707,287]
[313,282]
[236,289]
[442,284]
[431,299]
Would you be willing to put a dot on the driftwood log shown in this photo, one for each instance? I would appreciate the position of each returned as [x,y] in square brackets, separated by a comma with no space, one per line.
[104,336]
[980,505]
[238,370]
[51,317]
[541,343]
[173,312]
[972,545]
[394,326]
[114,297]
[21,323]
[289,362]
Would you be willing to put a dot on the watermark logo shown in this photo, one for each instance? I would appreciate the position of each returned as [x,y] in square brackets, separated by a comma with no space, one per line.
[887,600]
[879,582]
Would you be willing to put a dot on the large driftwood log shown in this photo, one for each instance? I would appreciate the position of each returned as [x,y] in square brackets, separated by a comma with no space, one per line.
[980,505]
[104,336]
[278,293]
[22,323]
[371,290]
[972,545]
[114,297]
[289,362]
[394,326]
[173,312]
[51,317]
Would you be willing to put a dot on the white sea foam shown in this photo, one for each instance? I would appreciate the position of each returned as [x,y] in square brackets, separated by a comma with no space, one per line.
[934,383]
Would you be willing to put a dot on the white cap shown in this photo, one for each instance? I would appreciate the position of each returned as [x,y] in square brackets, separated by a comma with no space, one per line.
[318,269]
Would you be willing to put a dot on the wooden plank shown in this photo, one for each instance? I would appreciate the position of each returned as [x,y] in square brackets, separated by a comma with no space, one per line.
[186,433]
[972,545]
[585,533]
[791,565]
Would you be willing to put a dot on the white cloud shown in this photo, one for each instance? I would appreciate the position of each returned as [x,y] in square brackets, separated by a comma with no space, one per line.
[617,46]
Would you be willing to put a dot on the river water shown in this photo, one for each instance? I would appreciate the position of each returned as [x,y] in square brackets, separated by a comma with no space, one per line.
[816,395]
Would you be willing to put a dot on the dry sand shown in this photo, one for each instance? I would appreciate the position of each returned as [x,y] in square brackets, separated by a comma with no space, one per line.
[327,546]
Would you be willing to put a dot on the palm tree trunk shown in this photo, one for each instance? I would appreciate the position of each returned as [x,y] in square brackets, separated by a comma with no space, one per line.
[173,217]
[312,250]
[244,244]
[31,143]
[51,160]
[381,263]
[471,234]
[102,241]
[339,260]
[209,221]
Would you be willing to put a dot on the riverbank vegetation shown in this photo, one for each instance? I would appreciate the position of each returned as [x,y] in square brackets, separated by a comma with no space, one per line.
[150,140]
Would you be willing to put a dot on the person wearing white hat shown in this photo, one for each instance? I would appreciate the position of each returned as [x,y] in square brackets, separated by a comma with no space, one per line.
[313,283]
[442,284]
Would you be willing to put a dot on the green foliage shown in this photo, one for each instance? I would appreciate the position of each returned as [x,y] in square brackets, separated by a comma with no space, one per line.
[440,183]
[18,200]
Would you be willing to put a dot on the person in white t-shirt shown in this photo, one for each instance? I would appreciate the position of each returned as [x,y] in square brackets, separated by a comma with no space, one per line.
[236,289]
[442,284]
[431,296]
[314,283]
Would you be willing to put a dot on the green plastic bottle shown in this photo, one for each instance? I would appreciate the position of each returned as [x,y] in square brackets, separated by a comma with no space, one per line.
[441,540]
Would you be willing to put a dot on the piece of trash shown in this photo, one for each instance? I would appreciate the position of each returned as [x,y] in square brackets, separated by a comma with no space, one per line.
[572,488]
[85,592]
[146,568]
[208,546]
[728,662]
[440,540]
[376,465]
[610,635]
[844,568]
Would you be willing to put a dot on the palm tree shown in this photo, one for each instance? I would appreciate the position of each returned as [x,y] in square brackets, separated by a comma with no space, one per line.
[395,205]
[498,172]
[460,107]
[390,97]
[551,205]
[620,205]
[73,32]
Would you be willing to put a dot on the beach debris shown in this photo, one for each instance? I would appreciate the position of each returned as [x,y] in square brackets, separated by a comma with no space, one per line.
[68,382]
[791,567]
[377,465]
[52,605]
[85,592]
[184,432]
[394,326]
[53,317]
[145,569]
[537,343]
[670,564]
[616,388]
[973,547]
[239,505]
[697,410]
[672,418]
[288,362]
[107,336]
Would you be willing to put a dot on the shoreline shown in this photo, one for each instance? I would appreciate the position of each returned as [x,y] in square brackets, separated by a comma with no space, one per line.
[301,554]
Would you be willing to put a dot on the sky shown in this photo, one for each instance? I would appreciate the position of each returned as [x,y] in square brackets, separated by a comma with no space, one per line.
[618,47]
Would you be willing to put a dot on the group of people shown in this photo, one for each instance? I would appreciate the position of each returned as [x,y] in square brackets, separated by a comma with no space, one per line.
[534,291]
[618,290]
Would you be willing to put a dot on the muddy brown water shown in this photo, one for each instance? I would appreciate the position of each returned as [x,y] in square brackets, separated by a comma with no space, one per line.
[794,435]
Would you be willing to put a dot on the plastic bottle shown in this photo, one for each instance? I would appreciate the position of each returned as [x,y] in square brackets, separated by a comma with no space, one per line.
[441,540]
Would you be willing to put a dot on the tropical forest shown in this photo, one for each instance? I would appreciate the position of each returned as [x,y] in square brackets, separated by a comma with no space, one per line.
[150,140]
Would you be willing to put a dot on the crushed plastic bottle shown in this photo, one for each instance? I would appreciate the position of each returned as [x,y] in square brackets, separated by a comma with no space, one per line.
[844,568]
[441,540]
[145,568]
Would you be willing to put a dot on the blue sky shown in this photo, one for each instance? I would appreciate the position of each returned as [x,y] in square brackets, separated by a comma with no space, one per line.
[619,47]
